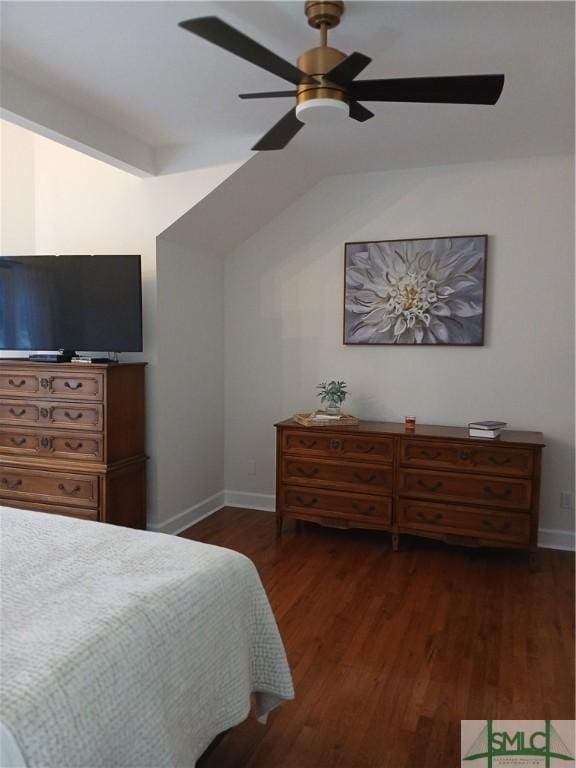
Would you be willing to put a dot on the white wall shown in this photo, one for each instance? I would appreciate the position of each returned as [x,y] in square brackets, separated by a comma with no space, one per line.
[284,289]
[190,444]
[82,205]
[17,195]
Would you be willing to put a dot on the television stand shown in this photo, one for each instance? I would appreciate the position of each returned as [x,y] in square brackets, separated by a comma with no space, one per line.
[72,440]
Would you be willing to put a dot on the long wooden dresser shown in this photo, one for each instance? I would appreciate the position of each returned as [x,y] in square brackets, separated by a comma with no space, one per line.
[72,440]
[432,481]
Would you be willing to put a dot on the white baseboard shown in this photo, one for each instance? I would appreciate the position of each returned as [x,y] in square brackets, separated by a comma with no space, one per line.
[548,538]
[265,502]
[194,514]
[552,538]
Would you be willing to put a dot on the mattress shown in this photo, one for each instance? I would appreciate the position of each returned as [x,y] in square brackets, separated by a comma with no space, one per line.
[127,648]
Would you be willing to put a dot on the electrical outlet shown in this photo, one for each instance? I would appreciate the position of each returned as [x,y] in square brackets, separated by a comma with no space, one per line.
[566,500]
[251,467]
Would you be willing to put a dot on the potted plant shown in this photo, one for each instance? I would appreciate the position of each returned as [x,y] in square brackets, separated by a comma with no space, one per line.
[333,393]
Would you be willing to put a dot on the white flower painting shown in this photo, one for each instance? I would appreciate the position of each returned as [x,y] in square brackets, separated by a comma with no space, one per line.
[415,291]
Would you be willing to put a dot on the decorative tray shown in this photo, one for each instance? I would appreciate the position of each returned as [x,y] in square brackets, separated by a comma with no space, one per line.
[320,419]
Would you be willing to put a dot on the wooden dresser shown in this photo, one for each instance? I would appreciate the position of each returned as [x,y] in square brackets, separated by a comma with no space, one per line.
[432,481]
[72,440]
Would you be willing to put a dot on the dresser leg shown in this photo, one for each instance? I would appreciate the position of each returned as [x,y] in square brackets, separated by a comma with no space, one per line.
[278,525]
[395,542]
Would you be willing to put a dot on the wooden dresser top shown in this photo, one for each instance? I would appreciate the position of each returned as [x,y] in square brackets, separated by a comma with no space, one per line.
[424,431]
[31,365]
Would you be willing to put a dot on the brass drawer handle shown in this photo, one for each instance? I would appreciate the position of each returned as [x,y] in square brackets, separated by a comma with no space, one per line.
[499,462]
[464,455]
[76,447]
[19,414]
[18,442]
[427,487]
[364,448]
[72,387]
[361,509]
[45,442]
[307,472]
[5,483]
[44,413]
[434,519]
[310,503]
[17,385]
[489,491]
[62,487]
[369,479]
[487,523]
[46,383]
[307,443]
[72,418]
[336,445]
[429,454]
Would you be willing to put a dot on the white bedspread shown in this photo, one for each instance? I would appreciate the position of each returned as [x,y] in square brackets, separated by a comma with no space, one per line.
[128,648]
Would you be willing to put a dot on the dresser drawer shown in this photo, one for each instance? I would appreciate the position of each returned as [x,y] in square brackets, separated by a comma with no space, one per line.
[57,487]
[53,413]
[503,461]
[81,386]
[338,475]
[335,445]
[84,386]
[469,457]
[509,527]
[492,491]
[353,507]
[19,383]
[59,445]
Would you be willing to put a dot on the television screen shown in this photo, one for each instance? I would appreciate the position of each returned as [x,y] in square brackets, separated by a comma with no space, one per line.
[82,303]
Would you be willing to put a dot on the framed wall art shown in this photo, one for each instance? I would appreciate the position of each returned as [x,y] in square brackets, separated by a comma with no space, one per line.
[427,291]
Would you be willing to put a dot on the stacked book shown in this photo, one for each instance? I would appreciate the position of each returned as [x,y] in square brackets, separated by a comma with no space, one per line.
[486,428]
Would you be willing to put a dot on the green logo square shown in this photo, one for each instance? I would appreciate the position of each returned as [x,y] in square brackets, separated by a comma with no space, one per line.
[517,743]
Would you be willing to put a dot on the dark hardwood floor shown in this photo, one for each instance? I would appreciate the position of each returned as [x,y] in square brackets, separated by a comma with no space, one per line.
[389,651]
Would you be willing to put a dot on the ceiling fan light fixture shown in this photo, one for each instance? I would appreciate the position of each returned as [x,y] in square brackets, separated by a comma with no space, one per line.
[322,111]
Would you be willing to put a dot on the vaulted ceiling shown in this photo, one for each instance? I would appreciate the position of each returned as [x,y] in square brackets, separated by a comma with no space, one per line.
[122,81]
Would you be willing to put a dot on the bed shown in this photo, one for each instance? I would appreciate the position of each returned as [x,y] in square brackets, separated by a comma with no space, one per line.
[127,648]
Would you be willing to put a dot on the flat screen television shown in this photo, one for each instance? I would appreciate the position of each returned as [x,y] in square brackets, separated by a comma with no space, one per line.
[84,303]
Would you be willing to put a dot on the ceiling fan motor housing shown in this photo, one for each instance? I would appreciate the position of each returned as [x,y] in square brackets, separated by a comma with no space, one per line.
[326,101]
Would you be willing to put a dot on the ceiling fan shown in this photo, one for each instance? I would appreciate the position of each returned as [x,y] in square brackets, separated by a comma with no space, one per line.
[325,77]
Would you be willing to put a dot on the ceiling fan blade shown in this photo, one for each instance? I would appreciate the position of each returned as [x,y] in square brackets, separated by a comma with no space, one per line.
[218,32]
[349,68]
[460,89]
[281,133]
[360,113]
[267,95]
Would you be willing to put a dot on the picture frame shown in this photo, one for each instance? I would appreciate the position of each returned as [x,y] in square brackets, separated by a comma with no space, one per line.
[424,291]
